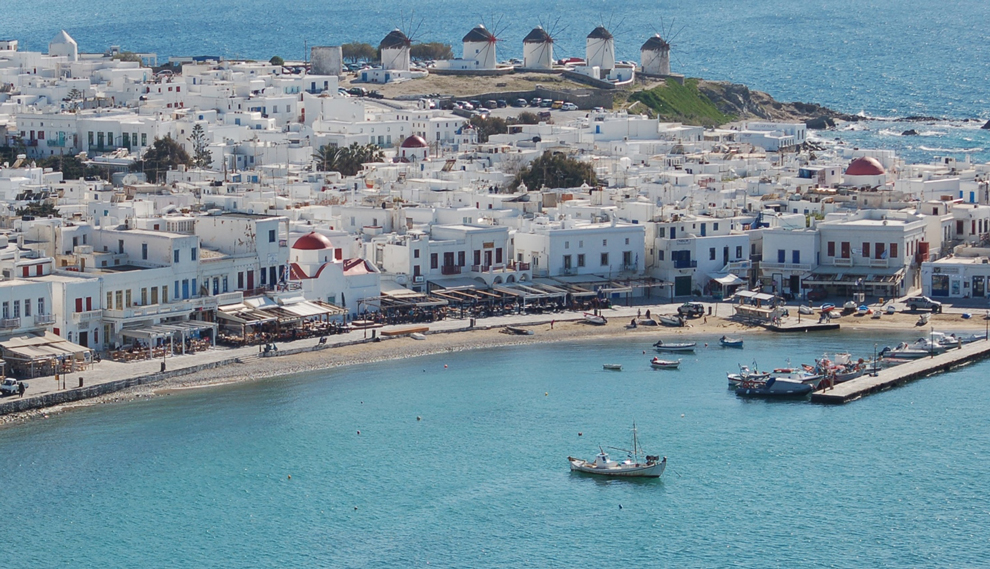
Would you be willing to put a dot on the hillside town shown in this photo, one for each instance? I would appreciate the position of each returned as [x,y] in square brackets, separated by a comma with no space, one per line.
[261,234]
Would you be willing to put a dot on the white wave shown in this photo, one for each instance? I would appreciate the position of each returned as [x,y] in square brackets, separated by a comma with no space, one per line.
[951,150]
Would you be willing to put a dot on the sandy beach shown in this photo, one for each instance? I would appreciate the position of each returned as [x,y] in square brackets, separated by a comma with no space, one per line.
[454,336]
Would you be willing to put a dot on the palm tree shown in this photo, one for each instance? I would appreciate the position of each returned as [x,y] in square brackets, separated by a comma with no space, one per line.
[328,158]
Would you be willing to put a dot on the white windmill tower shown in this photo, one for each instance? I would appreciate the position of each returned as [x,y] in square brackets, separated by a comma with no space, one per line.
[63,44]
[600,50]
[479,45]
[395,51]
[655,56]
[538,49]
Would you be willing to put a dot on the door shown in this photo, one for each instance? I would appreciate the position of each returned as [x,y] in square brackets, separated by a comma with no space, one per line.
[682,286]
[250,280]
[795,285]
[978,287]
[844,250]
[84,339]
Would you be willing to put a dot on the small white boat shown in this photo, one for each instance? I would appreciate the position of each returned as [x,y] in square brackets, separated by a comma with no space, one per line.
[746,374]
[923,319]
[662,346]
[876,314]
[596,319]
[671,320]
[863,310]
[891,309]
[806,310]
[417,336]
[727,342]
[612,367]
[850,305]
[658,363]
[653,466]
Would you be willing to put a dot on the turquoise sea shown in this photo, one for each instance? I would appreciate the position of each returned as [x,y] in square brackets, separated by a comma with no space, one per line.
[882,58]
[465,466]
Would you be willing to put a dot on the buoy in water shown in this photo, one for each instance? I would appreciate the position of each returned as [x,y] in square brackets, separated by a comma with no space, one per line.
[359,432]
[546,393]
[580,434]
[444,366]
[418,418]
[290,477]
[706,344]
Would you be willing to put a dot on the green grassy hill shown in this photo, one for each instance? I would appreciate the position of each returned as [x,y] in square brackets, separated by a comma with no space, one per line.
[682,103]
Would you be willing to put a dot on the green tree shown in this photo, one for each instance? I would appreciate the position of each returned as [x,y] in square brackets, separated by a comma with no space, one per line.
[38,209]
[487,126]
[431,50]
[328,157]
[202,157]
[555,170]
[357,51]
[71,167]
[165,154]
[527,117]
[128,56]
[276,60]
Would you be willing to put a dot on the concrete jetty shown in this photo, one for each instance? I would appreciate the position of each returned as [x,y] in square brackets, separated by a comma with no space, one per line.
[901,374]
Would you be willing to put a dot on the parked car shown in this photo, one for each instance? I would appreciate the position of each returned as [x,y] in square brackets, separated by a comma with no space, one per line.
[817,294]
[568,107]
[464,105]
[544,116]
[535,102]
[519,103]
[501,103]
[375,95]
[556,104]
[691,309]
[491,104]
[358,91]
[476,103]
[10,386]
[546,103]
[924,303]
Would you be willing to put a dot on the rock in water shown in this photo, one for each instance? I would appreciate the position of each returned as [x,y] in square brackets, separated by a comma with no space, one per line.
[820,123]
[986,126]
[910,132]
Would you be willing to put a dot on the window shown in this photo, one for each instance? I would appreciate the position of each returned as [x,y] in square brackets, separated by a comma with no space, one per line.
[154,295]
[627,259]
[144,139]
[660,255]
[120,246]
[27,307]
[460,258]
[264,277]
[144,251]
[866,249]
[119,297]
[175,255]
[271,235]
[715,227]
[567,262]
[604,259]
[79,305]
[17,308]
[193,254]
[128,298]
[41,306]
[627,240]
[796,257]
[434,262]
[711,254]
[831,249]
[477,256]
[739,252]
[144,297]
[165,294]
[415,253]
[567,244]
[781,256]
[604,242]
[498,255]
[880,252]
[109,300]
[893,250]
[240,280]
[90,138]
[663,232]
[224,283]
[6,310]
[580,260]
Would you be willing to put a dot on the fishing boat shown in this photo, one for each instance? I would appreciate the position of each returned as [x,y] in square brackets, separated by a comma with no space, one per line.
[612,367]
[774,388]
[658,363]
[596,319]
[671,320]
[651,467]
[645,322]
[746,374]
[727,342]
[662,346]
[802,374]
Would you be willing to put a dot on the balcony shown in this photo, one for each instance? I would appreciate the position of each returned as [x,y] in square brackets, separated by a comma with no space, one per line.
[879,263]
[169,309]
[630,267]
[840,262]
[685,264]
[56,142]
[226,298]
[86,316]
[45,319]
[768,266]
[450,270]
[8,323]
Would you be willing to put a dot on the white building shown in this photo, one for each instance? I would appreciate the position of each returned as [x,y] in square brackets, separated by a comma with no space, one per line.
[479,45]
[538,49]
[655,56]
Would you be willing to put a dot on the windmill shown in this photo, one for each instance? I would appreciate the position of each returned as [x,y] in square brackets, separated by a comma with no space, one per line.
[479,44]
[655,53]
[600,50]
[538,47]
[395,49]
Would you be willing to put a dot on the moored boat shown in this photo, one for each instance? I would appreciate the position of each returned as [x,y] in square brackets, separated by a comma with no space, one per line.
[806,310]
[658,363]
[727,342]
[651,467]
[671,320]
[774,388]
[596,319]
[746,374]
[662,346]
[517,331]
[612,367]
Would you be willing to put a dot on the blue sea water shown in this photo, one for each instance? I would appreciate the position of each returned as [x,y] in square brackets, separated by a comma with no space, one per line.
[883,58]
[202,478]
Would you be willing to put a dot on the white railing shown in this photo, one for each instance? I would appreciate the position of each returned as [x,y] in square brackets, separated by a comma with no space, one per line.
[44,319]
[786,266]
[840,262]
[225,298]
[87,316]
[880,263]
[10,323]
[208,302]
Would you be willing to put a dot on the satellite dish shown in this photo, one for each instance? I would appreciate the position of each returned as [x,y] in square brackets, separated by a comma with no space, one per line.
[130,180]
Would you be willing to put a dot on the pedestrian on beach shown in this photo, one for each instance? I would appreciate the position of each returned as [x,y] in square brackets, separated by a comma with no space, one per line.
[647,312]
[638,313]
[551,324]
[21,389]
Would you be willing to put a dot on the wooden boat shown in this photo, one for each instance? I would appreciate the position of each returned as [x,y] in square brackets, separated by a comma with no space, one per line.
[727,342]
[675,320]
[612,367]
[517,331]
[653,466]
[662,346]
[596,319]
[658,363]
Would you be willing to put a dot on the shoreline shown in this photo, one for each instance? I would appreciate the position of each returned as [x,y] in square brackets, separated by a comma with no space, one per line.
[568,327]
